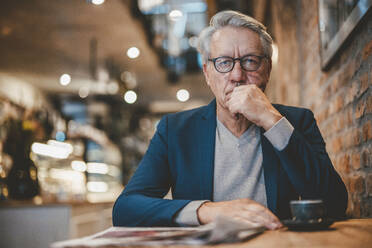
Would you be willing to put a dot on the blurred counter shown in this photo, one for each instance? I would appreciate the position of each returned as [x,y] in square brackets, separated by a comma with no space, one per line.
[27,224]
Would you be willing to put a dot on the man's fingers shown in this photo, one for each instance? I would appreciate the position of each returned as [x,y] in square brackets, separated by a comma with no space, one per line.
[259,213]
[262,217]
[245,210]
[247,221]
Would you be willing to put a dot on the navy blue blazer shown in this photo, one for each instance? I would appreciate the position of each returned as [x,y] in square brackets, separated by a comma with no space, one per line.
[181,157]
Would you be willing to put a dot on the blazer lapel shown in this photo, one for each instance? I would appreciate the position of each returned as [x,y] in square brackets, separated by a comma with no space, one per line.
[270,165]
[206,147]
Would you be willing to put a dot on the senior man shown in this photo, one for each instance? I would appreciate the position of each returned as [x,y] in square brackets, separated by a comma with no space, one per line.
[240,156]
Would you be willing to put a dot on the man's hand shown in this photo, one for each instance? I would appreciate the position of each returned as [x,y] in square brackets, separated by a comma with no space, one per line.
[244,210]
[250,101]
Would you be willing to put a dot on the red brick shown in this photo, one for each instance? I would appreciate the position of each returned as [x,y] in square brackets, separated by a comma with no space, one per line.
[318,117]
[367,131]
[357,184]
[349,209]
[312,75]
[335,83]
[348,114]
[345,179]
[336,144]
[351,92]
[360,109]
[367,50]
[326,94]
[369,184]
[366,157]
[356,137]
[343,121]
[369,105]
[366,208]
[351,138]
[363,83]
[323,78]
[338,122]
[332,108]
[329,128]
[355,161]
[342,164]
[356,209]
[325,113]
[346,75]
[339,102]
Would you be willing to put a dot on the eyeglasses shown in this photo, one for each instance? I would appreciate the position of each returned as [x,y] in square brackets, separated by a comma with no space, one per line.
[248,62]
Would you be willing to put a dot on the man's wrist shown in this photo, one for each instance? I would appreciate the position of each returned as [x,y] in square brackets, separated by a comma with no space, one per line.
[270,120]
[280,134]
[187,216]
[203,213]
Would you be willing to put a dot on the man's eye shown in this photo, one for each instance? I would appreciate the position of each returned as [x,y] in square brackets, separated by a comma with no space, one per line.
[250,61]
[224,62]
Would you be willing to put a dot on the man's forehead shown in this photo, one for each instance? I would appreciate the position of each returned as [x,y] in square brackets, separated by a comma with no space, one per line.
[233,37]
[234,32]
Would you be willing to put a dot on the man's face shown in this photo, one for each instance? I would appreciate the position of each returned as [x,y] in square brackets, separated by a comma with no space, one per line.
[235,42]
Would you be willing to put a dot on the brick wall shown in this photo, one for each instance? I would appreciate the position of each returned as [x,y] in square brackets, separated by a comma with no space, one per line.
[341,97]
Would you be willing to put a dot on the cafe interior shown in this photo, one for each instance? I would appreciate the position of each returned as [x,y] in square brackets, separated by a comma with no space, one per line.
[84,83]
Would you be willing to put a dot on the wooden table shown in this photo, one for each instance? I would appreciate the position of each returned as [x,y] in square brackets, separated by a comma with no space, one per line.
[349,233]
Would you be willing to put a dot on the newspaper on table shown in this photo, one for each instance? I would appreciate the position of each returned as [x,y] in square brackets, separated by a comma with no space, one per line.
[223,230]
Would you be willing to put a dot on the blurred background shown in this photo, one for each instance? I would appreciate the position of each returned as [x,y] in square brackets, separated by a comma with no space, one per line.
[83,84]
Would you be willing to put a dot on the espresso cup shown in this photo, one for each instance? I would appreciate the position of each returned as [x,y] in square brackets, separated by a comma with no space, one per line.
[307,210]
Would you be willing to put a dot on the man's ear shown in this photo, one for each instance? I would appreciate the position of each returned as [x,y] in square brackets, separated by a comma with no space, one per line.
[205,71]
[269,67]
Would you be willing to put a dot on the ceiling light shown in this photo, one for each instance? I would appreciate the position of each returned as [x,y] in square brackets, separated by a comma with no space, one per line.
[97,168]
[50,150]
[183,95]
[112,88]
[84,91]
[147,5]
[129,79]
[98,2]
[65,79]
[98,187]
[69,148]
[193,41]
[133,52]
[130,96]
[60,136]
[175,15]
[79,165]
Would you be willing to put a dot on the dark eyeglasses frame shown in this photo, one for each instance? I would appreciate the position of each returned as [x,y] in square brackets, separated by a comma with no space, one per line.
[240,60]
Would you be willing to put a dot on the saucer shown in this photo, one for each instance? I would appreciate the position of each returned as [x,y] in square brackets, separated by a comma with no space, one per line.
[309,225]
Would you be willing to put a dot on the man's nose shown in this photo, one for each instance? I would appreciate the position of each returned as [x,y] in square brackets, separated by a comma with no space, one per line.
[237,74]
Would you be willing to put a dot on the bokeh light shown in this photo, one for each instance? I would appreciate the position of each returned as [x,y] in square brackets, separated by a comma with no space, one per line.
[65,79]
[183,95]
[130,96]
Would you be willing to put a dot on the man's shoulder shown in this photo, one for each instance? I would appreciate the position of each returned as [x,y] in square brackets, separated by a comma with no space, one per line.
[288,108]
[204,111]
[293,113]
[188,118]
[189,113]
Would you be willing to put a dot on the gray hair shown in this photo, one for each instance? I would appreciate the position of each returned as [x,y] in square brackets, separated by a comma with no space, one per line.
[234,19]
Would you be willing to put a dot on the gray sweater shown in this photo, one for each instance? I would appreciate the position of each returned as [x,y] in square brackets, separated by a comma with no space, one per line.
[238,171]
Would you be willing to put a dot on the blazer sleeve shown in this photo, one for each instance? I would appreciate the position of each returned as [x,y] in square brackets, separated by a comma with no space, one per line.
[141,203]
[309,168]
